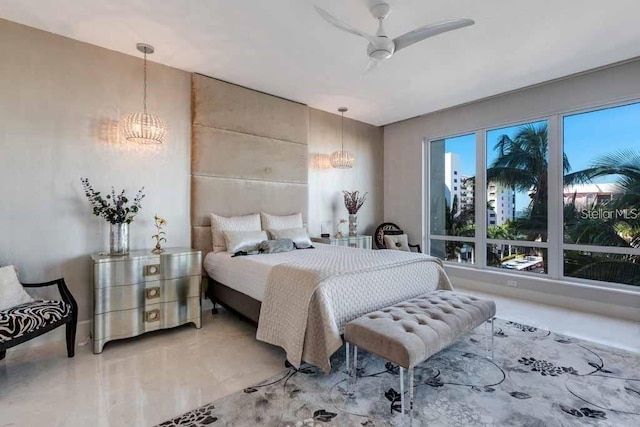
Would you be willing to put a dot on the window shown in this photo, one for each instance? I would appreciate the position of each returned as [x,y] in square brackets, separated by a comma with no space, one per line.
[601,194]
[564,204]
[452,218]
[455,180]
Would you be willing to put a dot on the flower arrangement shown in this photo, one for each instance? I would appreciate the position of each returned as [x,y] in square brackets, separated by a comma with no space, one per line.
[113,207]
[159,236]
[353,201]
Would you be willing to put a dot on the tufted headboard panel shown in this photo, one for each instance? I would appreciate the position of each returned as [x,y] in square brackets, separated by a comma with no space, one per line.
[249,154]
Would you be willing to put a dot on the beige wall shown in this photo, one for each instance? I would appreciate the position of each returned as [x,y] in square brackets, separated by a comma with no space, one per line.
[404,192]
[326,203]
[59,102]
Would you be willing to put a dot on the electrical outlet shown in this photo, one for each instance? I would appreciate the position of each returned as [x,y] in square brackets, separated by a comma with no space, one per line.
[513,283]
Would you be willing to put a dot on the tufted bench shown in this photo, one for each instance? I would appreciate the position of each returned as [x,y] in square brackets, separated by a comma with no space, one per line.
[410,332]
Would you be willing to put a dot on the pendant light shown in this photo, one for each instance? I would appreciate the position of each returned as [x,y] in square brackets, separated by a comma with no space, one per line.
[342,159]
[144,128]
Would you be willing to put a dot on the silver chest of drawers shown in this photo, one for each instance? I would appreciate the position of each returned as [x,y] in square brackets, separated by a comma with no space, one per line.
[144,292]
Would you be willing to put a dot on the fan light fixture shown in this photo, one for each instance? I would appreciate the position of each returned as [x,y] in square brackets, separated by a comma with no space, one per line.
[342,159]
[144,128]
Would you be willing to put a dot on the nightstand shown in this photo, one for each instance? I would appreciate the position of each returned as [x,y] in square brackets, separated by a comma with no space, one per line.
[144,292]
[363,242]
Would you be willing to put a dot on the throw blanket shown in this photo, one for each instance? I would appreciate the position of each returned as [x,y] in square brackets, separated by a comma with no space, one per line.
[308,301]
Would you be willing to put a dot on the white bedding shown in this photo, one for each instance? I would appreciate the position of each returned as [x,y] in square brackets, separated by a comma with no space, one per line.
[322,290]
[248,274]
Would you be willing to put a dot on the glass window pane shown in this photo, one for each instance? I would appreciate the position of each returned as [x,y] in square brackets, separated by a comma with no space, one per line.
[452,170]
[517,175]
[461,252]
[602,177]
[604,267]
[517,258]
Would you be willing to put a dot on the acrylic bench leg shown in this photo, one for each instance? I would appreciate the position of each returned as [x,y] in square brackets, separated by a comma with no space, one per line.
[346,353]
[402,390]
[411,394]
[355,362]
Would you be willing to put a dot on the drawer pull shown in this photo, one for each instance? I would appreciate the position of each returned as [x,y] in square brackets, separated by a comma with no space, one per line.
[152,315]
[152,270]
[152,293]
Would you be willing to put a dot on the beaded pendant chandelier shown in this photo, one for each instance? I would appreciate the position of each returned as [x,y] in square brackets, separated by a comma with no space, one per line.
[144,128]
[342,159]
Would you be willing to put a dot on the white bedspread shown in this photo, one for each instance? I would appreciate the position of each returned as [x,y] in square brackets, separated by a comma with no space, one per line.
[246,274]
[315,293]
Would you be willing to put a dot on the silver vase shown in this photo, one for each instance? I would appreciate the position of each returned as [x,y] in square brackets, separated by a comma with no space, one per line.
[353,225]
[119,239]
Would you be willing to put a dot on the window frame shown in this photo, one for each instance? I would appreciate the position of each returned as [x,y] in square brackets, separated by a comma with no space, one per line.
[555,245]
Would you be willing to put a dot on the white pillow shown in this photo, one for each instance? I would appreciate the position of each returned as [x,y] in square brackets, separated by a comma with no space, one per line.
[298,235]
[281,222]
[219,224]
[245,241]
[398,242]
[11,291]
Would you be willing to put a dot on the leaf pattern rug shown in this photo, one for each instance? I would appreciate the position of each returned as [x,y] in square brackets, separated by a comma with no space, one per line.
[537,378]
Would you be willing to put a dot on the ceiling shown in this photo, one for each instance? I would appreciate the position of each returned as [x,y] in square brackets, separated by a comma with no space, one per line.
[284,48]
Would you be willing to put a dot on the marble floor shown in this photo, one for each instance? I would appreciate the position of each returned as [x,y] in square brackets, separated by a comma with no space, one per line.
[147,380]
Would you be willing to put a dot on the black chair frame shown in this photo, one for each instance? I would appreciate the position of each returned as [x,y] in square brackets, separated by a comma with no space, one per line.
[390,229]
[71,321]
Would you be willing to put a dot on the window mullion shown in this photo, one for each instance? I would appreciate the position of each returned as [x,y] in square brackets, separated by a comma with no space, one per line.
[481,199]
[555,175]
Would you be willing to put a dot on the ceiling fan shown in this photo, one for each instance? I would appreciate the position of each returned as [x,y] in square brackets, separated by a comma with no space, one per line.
[380,46]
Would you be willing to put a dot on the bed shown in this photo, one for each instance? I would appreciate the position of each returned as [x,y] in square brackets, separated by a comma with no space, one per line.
[250,154]
[301,300]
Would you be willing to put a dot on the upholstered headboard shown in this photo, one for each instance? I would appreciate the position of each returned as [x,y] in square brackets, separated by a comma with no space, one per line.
[249,154]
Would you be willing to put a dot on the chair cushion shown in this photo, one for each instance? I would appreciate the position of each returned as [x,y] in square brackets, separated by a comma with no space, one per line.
[26,318]
[410,332]
[398,242]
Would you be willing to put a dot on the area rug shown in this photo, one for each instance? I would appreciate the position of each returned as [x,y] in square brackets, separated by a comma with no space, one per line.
[537,378]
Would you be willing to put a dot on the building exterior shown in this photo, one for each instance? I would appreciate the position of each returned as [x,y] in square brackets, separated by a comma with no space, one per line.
[452,177]
[588,195]
[503,204]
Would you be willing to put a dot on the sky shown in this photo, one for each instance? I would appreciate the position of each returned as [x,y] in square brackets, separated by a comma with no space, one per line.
[587,136]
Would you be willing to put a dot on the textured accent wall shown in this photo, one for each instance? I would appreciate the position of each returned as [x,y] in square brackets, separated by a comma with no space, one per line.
[249,154]
[60,104]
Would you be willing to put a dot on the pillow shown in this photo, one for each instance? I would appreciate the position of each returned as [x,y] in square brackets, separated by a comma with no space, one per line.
[276,246]
[11,291]
[281,222]
[243,241]
[398,242]
[219,224]
[298,235]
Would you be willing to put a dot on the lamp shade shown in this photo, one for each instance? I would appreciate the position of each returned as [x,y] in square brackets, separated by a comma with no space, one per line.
[144,128]
[342,160]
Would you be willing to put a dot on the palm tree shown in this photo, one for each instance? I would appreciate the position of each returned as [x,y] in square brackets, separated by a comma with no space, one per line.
[522,165]
[620,228]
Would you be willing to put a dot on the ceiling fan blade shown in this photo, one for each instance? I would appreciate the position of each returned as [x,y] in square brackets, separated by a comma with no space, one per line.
[430,30]
[343,26]
[371,65]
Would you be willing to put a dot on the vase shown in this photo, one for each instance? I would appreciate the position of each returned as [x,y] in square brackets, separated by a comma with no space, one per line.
[353,225]
[119,239]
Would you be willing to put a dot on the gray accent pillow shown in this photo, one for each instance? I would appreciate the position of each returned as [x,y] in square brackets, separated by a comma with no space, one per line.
[298,235]
[276,246]
[243,241]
